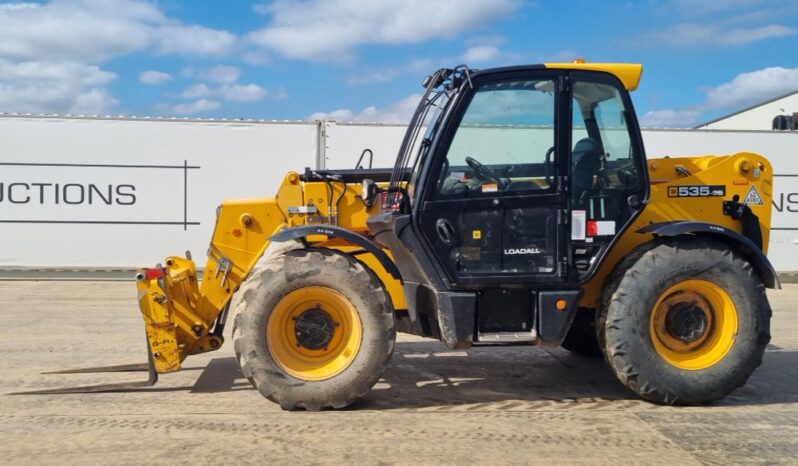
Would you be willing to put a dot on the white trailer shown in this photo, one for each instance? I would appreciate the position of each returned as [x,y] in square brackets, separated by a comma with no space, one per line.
[80,193]
[88,193]
[344,141]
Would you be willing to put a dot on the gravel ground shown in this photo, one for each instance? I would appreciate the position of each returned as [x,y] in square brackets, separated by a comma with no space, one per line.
[486,405]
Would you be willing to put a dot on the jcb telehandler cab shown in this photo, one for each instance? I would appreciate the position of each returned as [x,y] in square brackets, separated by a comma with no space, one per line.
[521,210]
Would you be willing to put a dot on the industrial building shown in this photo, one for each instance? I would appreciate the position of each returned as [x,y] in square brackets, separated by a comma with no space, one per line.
[779,113]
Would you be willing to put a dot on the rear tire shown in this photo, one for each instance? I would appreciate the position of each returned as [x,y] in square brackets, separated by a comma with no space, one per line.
[684,321]
[313,328]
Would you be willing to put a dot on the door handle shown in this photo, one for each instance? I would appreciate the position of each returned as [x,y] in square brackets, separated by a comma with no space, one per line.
[445,231]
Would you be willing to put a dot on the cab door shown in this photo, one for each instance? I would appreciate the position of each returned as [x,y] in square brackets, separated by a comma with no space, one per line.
[494,202]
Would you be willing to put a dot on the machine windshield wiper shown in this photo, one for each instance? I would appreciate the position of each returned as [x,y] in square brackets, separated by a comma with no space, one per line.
[413,130]
[440,87]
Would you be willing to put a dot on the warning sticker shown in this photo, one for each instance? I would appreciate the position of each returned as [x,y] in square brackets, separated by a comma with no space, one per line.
[600,227]
[753,197]
[578,218]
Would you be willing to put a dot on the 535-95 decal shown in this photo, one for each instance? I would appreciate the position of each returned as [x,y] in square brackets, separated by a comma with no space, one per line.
[697,191]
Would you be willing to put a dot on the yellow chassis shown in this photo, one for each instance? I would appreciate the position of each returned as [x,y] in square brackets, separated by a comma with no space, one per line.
[180,313]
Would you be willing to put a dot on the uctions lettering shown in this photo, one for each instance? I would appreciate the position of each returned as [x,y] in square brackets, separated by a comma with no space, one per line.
[70,194]
[788,202]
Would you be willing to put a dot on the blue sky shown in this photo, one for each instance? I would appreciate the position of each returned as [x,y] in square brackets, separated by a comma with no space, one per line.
[364,60]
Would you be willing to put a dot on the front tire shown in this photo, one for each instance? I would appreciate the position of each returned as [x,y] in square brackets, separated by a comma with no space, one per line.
[684,321]
[313,328]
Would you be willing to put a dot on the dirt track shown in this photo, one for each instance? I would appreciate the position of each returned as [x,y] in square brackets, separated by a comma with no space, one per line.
[487,405]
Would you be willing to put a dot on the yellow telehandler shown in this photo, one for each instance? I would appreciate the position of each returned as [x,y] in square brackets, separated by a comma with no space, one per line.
[521,211]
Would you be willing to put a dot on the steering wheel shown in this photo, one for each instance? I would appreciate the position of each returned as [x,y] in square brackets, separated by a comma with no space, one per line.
[548,167]
[481,172]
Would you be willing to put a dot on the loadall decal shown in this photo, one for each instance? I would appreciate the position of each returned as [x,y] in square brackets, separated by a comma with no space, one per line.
[515,251]
[697,191]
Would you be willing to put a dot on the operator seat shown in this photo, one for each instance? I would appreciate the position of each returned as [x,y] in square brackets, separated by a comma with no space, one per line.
[585,163]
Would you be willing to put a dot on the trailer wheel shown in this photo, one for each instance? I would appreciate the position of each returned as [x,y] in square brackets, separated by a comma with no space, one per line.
[313,328]
[684,321]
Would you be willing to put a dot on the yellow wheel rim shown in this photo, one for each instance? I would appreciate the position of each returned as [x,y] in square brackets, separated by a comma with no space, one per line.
[694,324]
[314,333]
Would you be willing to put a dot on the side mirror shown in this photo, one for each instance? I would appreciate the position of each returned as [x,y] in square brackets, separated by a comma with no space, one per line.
[369,194]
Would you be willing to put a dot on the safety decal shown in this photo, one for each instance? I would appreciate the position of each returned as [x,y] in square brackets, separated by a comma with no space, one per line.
[753,197]
[697,191]
[600,227]
[578,218]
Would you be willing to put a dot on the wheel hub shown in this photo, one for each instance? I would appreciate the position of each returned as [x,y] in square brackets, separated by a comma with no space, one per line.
[693,324]
[686,321]
[314,329]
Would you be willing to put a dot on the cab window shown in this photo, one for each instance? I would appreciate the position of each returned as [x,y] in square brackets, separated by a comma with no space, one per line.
[504,143]
[605,169]
[604,164]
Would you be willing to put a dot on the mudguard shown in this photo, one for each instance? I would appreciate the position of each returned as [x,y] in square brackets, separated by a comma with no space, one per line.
[337,232]
[745,246]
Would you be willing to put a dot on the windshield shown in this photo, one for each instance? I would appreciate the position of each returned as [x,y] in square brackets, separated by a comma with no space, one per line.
[440,88]
[432,125]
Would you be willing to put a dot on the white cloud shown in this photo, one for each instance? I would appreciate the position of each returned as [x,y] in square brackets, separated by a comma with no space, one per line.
[232,92]
[261,8]
[192,108]
[223,74]
[227,89]
[256,57]
[700,7]
[242,92]
[330,30]
[670,118]
[193,40]
[390,73]
[488,50]
[342,114]
[372,77]
[694,35]
[95,101]
[197,90]
[153,77]
[481,53]
[744,90]
[61,43]
[95,30]
[279,94]
[50,87]
[563,56]
[75,30]
[398,112]
[753,87]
